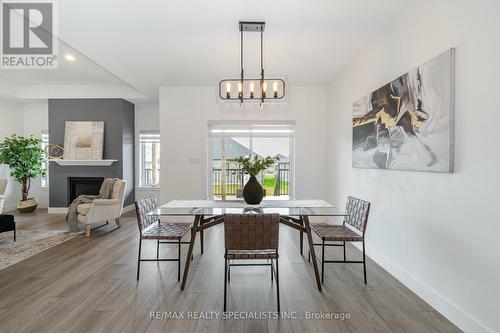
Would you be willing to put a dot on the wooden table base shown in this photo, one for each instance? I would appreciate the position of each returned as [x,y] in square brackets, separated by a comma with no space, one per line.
[194,229]
[301,224]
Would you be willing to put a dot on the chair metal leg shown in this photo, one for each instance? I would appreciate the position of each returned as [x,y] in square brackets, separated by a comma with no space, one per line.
[157,248]
[225,284]
[14,233]
[323,261]
[272,269]
[118,223]
[229,271]
[277,284]
[364,260]
[179,263]
[192,232]
[301,235]
[344,253]
[139,259]
[309,256]
[201,241]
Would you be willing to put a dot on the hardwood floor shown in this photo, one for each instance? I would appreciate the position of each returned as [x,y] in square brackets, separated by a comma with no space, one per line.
[89,285]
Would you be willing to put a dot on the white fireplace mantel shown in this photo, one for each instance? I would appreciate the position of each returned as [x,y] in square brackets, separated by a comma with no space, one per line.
[64,162]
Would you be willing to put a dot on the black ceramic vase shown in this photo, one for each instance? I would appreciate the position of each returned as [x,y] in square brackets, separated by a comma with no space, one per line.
[253,191]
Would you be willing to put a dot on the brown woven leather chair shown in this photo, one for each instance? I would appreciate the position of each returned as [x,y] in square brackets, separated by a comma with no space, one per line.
[352,230]
[151,228]
[248,237]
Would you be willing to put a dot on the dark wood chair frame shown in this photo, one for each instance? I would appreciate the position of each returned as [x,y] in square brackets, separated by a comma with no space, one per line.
[323,244]
[179,242]
[274,269]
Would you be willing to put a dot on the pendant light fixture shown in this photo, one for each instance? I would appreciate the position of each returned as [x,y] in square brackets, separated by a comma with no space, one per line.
[245,89]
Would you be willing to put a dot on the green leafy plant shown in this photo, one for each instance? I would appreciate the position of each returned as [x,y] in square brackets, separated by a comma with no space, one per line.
[254,166]
[24,158]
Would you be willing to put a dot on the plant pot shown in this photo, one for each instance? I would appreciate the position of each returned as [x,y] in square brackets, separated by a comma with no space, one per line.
[27,206]
[253,193]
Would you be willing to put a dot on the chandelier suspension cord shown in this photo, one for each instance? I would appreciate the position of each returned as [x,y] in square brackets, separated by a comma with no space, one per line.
[261,65]
[241,61]
[262,52]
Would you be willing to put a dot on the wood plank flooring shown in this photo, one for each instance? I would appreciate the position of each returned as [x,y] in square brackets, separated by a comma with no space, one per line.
[89,285]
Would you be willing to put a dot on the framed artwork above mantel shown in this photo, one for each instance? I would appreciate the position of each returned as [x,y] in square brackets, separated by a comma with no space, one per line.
[83,140]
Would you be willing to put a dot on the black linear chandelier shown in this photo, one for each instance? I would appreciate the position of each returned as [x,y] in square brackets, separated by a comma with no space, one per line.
[244,89]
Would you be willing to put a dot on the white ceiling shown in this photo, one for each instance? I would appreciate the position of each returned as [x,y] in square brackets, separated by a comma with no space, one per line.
[81,78]
[81,71]
[151,43]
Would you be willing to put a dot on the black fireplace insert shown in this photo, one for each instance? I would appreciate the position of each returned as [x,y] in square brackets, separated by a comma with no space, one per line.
[83,185]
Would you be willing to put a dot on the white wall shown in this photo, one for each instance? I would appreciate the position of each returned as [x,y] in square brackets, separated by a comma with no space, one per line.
[437,233]
[23,119]
[11,121]
[36,120]
[185,111]
[147,118]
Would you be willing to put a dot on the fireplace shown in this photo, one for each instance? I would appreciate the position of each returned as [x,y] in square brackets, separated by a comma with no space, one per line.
[83,185]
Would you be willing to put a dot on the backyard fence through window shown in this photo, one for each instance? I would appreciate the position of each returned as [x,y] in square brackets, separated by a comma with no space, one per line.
[227,142]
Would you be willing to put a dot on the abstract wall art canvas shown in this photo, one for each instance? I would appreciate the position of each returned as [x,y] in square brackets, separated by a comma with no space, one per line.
[83,140]
[408,123]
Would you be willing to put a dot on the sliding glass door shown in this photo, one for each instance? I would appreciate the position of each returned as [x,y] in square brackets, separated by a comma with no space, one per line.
[227,142]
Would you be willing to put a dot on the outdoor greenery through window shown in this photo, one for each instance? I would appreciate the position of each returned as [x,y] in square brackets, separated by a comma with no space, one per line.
[150,159]
[44,144]
[229,142]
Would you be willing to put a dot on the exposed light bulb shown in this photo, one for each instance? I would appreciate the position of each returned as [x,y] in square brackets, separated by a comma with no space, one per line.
[240,90]
[228,87]
[275,89]
[70,57]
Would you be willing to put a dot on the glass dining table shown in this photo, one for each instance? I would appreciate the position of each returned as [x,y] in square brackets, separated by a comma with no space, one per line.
[208,213]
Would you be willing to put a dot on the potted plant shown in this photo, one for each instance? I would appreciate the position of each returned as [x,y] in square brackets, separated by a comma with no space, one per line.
[253,192]
[25,160]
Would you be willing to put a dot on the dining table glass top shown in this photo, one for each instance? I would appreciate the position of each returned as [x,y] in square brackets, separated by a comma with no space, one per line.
[293,208]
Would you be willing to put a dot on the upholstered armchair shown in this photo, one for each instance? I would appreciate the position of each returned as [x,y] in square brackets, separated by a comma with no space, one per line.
[103,210]
[3,185]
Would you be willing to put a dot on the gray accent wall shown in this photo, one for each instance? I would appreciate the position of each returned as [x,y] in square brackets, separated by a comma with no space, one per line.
[118,117]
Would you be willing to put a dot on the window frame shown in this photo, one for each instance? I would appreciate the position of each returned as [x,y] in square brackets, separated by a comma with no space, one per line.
[251,130]
[148,137]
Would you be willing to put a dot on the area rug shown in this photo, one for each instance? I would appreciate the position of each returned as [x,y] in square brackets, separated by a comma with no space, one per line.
[28,243]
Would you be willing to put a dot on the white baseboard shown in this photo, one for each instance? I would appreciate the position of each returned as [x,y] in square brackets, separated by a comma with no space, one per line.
[64,210]
[9,208]
[57,210]
[128,208]
[448,309]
